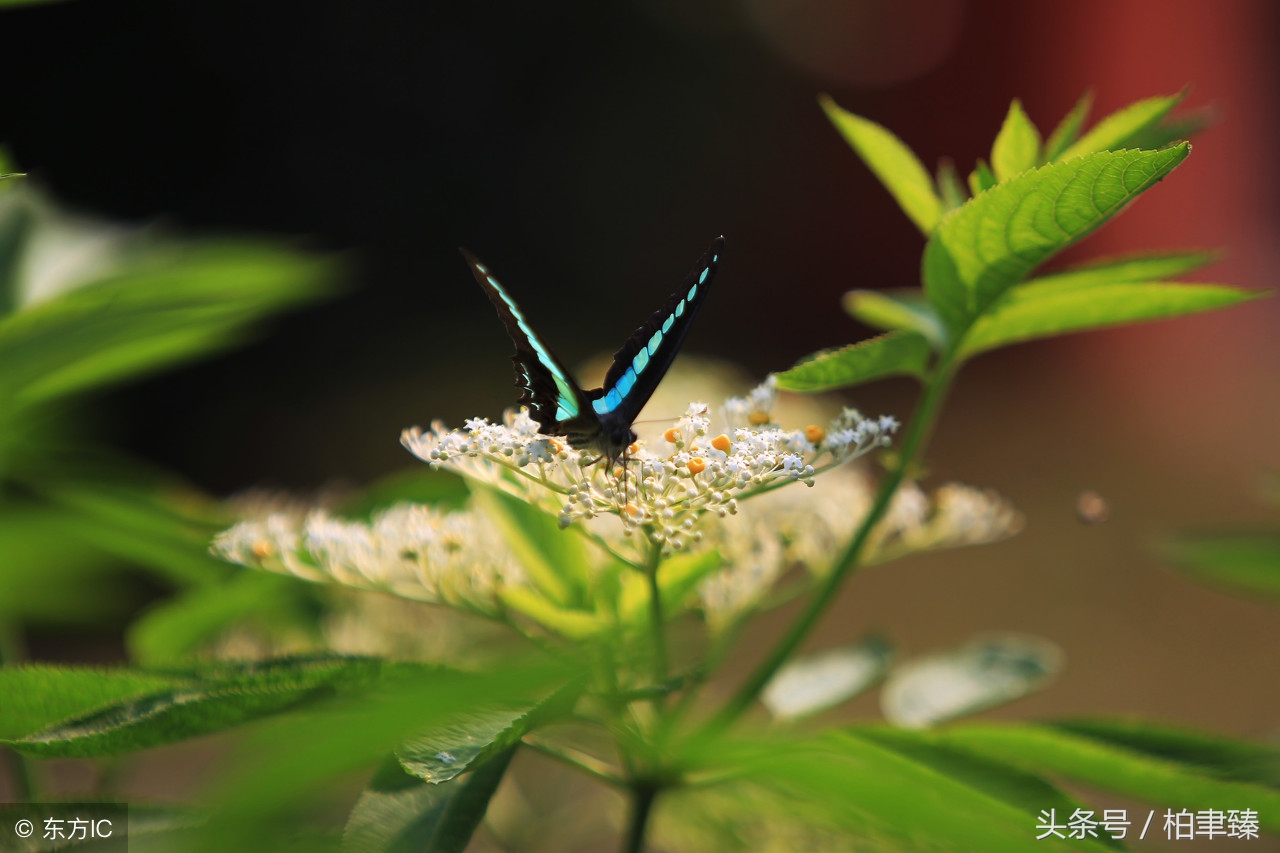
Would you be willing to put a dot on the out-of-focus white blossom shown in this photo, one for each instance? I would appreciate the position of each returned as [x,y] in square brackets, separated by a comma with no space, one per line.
[809,528]
[412,551]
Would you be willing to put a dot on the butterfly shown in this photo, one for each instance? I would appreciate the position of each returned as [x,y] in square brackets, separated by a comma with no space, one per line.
[599,419]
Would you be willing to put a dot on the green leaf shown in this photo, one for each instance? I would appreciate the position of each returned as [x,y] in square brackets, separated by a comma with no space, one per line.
[567,622]
[1220,757]
[902,308]
[197,705]
[171,305]
[980,674]
[1017,145]
[990,244]
[179,626]
[677,577]
[950,189]
[1248,562]
[400,814]
[468,740]
[448,751]
[812,683]
[1121,128]
[39,696]
[1041,311]
[50,574]
[901,172]
[1151,266]
[155,526]
[889,800]
[15,229]
[1023,791]
[1068,130]
[890,354]
[554,559]
[981,178]
[286,765]
[1173,128]
[1126,772]
[417,485]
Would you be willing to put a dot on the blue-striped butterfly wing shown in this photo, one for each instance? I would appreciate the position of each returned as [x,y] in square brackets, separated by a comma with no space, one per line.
[643,360]
[554,400]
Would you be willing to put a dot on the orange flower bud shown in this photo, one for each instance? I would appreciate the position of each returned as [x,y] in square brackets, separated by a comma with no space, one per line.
[697,466]
[758,418]
[814,433]
[672,435]
[721,442]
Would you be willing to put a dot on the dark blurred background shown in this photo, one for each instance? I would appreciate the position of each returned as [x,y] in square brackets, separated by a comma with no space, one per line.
[589,151]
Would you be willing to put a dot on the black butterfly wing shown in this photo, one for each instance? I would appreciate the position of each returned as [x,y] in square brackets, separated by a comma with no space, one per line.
[554,400]
[643,360]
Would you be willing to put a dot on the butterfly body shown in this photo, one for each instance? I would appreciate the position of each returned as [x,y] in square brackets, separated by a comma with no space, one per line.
[599,419]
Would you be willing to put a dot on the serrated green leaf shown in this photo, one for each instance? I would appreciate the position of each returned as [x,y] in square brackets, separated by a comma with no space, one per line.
[1247,562]
[984,248]
[677,577]
[898,169]
[1121,128]
[1023,791]
[449,750]
[950,190]
[903,308]
[981,178]
[890,354]
[1043,310]
[1068,130]
[1150,266]
[554,559]
[1043,750]
[1017,145]
[195,706]
[37,696]
[1220,757]
[285,764]
[412,816]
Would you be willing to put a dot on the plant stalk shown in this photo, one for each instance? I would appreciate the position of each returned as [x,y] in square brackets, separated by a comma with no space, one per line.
[922,422]
[656,620]
[642,796]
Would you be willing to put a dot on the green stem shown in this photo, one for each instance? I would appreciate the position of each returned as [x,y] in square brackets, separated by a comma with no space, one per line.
[921,426]
[13,649]
[656,620]
[642,796]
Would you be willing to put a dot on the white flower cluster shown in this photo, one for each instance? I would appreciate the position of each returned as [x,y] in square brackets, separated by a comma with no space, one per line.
[809,528]
[412,551]
[669,493]
[665,492]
